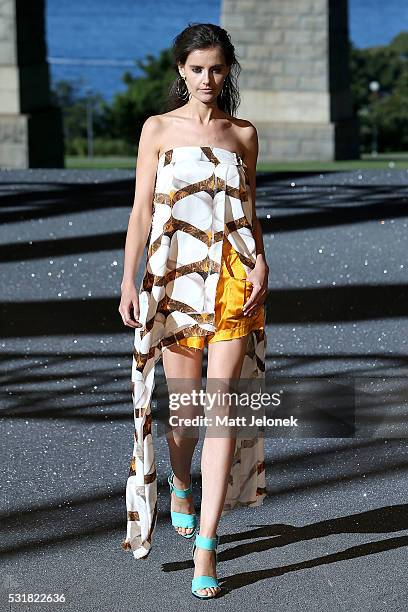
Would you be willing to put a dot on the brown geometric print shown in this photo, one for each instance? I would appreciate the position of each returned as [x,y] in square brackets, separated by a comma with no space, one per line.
[201,198]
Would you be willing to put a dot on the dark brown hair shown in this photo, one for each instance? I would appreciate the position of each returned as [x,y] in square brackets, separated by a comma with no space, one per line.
[203,36]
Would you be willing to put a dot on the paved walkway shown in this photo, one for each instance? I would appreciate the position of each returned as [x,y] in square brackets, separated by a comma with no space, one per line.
[333,531]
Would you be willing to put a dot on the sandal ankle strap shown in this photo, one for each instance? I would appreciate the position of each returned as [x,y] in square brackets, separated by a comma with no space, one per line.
[207,543]
[178,492]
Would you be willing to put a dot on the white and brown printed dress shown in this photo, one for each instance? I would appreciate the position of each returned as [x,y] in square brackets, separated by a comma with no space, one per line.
[201,198]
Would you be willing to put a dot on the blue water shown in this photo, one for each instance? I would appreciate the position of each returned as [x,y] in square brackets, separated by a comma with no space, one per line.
[93,42]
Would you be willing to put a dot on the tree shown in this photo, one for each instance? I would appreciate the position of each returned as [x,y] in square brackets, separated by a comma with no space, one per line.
[387,110]
[66,95]
[144,96]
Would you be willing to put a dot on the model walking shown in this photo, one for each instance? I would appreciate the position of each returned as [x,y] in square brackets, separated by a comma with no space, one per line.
[205,283]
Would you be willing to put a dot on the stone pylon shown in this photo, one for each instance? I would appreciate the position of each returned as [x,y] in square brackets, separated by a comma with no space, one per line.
[31,134]
[295,81]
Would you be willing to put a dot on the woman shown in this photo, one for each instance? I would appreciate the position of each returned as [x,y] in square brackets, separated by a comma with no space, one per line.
[205,282]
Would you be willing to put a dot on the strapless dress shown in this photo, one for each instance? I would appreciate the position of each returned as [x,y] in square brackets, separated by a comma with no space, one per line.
[200,251]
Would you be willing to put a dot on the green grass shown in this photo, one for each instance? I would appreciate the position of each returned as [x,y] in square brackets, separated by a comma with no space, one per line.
[382,161]
[107,163]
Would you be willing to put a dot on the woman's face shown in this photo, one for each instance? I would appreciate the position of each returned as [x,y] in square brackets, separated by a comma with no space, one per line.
[205,69]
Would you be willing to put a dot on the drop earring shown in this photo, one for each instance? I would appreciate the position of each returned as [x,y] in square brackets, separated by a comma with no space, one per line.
[182,93]
[223,90]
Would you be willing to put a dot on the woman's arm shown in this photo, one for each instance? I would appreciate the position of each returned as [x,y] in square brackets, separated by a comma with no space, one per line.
[259,275]
[141,215]
[251,148]
[140,220]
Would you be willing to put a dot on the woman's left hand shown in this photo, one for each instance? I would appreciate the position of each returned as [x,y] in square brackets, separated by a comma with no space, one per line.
[259,279]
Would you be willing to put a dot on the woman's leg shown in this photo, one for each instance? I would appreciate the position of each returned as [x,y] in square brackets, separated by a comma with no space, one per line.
[183,368]
[225,359]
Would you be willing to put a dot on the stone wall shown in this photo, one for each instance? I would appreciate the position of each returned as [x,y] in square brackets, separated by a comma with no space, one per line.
[30,127]
[295,78]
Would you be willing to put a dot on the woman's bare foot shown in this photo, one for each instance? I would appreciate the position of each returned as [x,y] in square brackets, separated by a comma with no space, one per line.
[182,504]
[204,562]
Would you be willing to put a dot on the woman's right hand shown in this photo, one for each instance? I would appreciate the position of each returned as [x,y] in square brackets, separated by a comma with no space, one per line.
[129,306]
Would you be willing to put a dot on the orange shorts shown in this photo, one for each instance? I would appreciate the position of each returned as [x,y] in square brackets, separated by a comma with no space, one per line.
[233,291]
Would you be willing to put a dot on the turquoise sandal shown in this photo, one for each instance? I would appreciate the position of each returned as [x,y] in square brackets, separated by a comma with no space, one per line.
[181,519]
[203,582]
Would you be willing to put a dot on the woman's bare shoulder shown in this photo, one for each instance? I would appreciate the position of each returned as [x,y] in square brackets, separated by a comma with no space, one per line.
[165,121]
[243,126]
[247,136]
[153,129]
[164,118]
[239,122]
[155,123]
